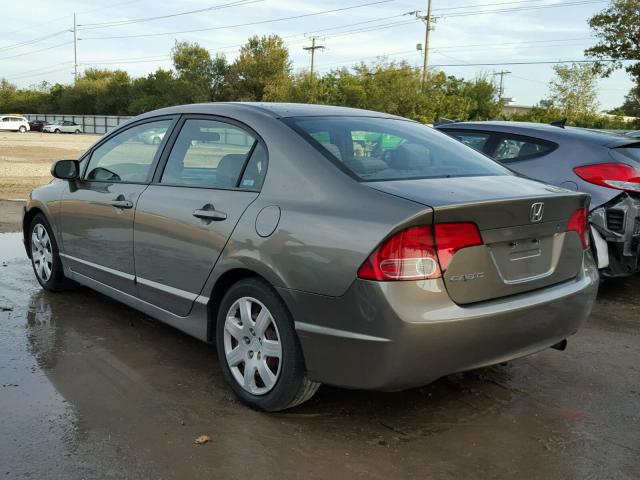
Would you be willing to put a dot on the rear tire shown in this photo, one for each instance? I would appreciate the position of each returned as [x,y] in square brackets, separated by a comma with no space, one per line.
[45,257]
[77,131]
[254,341]
[57,130]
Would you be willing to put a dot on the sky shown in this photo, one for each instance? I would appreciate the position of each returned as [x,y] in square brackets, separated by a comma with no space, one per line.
[36,42]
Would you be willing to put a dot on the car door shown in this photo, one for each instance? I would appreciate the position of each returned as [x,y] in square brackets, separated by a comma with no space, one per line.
[212,173]
[97,211]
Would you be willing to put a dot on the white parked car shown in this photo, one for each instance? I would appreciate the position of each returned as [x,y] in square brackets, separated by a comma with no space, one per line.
[65,126]
[15,123]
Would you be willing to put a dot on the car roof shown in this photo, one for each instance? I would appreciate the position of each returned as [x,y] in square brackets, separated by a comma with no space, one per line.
[277,110]
[545,131]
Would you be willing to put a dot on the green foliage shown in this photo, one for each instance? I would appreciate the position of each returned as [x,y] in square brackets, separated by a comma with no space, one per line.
[548,114]
[573,90]
[617,29]
[261,71]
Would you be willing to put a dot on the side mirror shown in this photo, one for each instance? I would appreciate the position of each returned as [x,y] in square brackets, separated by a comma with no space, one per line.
[66,169]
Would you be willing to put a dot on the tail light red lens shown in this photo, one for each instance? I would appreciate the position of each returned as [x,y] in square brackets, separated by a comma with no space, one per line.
[612,175]
[579,223]
[451,237]
[413,253]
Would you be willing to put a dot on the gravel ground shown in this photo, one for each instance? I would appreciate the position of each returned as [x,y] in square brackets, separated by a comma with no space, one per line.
[25,158]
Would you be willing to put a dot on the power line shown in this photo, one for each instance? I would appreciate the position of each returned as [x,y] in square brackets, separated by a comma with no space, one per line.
[36,51]
[462,7]
[520,9]
[259,22]
[32,41]
[529,63]
[117,23]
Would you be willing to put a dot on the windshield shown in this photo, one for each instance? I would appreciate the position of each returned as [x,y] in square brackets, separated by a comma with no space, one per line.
[374,149]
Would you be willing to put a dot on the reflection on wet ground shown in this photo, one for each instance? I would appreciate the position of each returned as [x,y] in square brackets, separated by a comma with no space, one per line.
[90,388]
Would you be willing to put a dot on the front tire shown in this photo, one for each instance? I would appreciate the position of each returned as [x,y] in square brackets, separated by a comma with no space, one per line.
[258,349]
[77,131]
[57,130]
[22,129]
[45,257]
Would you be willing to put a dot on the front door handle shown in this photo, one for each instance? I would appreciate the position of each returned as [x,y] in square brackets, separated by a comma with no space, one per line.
[208,212]
[122,204]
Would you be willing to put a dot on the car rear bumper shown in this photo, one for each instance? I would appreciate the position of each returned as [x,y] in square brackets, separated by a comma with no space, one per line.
[618,224]
[398,335]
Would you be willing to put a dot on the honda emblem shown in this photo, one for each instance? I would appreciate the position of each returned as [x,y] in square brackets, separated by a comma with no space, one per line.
[537,211]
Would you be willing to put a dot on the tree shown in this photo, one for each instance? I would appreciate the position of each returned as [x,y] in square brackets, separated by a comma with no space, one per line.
[261,71]
[573,90]
[631,105]
[617,28]
[195,67]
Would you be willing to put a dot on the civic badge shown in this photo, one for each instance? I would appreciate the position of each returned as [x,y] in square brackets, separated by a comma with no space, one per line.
[537,211]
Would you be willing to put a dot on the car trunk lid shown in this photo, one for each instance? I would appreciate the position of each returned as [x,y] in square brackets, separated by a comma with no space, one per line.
[523,225]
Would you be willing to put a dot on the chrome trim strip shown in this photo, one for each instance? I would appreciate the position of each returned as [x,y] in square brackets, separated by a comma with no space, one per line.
[176,292]
[111,271]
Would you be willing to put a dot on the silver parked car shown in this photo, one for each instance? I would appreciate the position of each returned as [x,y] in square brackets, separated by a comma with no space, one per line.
[317,244]
[66,126]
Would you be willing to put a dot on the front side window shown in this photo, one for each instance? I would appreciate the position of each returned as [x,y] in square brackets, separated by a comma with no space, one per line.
[126,157]
[374,149]
[209,153]
[517,148]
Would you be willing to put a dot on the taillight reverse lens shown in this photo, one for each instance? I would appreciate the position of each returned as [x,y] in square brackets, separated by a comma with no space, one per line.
[413,253]
[612,175]
[579,223]
[407,255]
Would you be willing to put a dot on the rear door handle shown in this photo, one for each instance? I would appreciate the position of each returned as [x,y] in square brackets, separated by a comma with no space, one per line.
[208,212]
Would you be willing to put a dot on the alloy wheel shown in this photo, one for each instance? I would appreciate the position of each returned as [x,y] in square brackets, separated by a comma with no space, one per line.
[41,252]
[252,346]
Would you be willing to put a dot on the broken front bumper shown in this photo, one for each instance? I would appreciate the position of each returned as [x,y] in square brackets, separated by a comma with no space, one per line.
[616,226]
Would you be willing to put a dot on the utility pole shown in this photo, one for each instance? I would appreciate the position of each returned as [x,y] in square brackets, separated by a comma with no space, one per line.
[75,49]
[428,20]
[313,49]
[502,73]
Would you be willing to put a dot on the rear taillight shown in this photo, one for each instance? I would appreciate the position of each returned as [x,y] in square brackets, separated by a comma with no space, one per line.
[612,175]
[451,237]
[579,223]
[413,253]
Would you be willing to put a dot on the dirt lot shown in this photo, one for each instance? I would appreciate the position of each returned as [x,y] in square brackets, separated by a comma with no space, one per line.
[92,389]
[25,158]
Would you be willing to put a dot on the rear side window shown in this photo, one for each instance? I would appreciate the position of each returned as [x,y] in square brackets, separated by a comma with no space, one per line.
[512,148]
[212,154]
[475,140]
[374,149]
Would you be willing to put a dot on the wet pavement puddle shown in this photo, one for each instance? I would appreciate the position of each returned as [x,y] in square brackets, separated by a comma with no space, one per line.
[90,388]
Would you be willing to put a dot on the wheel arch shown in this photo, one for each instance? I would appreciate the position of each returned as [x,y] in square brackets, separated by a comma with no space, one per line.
[220,288]
[26,222]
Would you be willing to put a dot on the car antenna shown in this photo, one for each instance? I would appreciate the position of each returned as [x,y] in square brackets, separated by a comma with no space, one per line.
[559,123]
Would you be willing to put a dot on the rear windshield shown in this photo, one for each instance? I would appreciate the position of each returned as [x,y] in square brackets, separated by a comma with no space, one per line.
[374,149]
[630,151]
